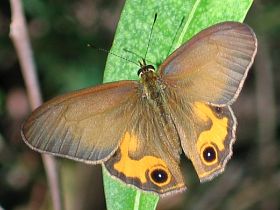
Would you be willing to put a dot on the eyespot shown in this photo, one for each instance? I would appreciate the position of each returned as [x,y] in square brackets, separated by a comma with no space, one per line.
[159,176]
[209,154]
[218,109]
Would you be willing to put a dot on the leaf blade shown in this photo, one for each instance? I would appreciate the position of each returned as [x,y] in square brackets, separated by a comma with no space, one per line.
[132,33]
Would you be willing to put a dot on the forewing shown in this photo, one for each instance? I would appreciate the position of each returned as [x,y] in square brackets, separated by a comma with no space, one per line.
[145,158]
[213,65]
[207,134]
[86,125]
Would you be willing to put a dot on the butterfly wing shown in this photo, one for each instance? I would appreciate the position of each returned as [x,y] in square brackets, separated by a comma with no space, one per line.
[207,134]
[202,78]
[147,158]
[213,65]
[86,125]
[112,124]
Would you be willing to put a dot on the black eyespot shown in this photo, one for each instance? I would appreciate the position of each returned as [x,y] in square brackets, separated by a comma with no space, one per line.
[159,176]
[209,154]
[218,110]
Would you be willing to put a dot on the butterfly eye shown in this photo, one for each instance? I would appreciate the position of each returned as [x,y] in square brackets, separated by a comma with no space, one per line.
[159,176]
[144,69]
[140,72]
[209,154]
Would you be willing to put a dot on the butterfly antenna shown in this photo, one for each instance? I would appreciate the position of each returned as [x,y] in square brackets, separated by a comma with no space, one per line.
[131,52]
[134,53]
[169,52]
[111,53]
[150,36]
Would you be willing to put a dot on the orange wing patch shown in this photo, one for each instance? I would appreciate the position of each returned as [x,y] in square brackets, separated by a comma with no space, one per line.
[137,168]
[211,140]
[218,130]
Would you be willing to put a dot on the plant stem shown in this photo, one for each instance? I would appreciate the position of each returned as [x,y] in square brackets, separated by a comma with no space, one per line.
[21,41]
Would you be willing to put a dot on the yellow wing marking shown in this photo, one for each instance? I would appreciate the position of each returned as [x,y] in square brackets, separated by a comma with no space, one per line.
[135,168]
[218,130]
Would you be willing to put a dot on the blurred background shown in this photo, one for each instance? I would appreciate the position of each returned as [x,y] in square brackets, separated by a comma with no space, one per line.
[60,32]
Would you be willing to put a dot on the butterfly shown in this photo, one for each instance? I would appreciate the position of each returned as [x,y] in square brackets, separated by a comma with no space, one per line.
[139,129]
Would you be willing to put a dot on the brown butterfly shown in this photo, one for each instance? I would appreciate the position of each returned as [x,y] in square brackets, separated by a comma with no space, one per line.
[139,129]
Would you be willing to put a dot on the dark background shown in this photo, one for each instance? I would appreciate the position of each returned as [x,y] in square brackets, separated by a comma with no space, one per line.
[60,32]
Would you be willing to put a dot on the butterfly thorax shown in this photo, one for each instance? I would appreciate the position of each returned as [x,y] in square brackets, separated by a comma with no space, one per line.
[153,97]
[151,85]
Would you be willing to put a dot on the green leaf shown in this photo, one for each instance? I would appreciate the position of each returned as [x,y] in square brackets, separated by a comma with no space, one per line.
[121,197]
[168,34]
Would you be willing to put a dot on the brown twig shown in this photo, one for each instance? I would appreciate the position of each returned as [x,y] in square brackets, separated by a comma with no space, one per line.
[21,41]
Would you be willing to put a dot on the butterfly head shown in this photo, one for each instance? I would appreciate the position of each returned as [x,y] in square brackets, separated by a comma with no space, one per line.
[145,69]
